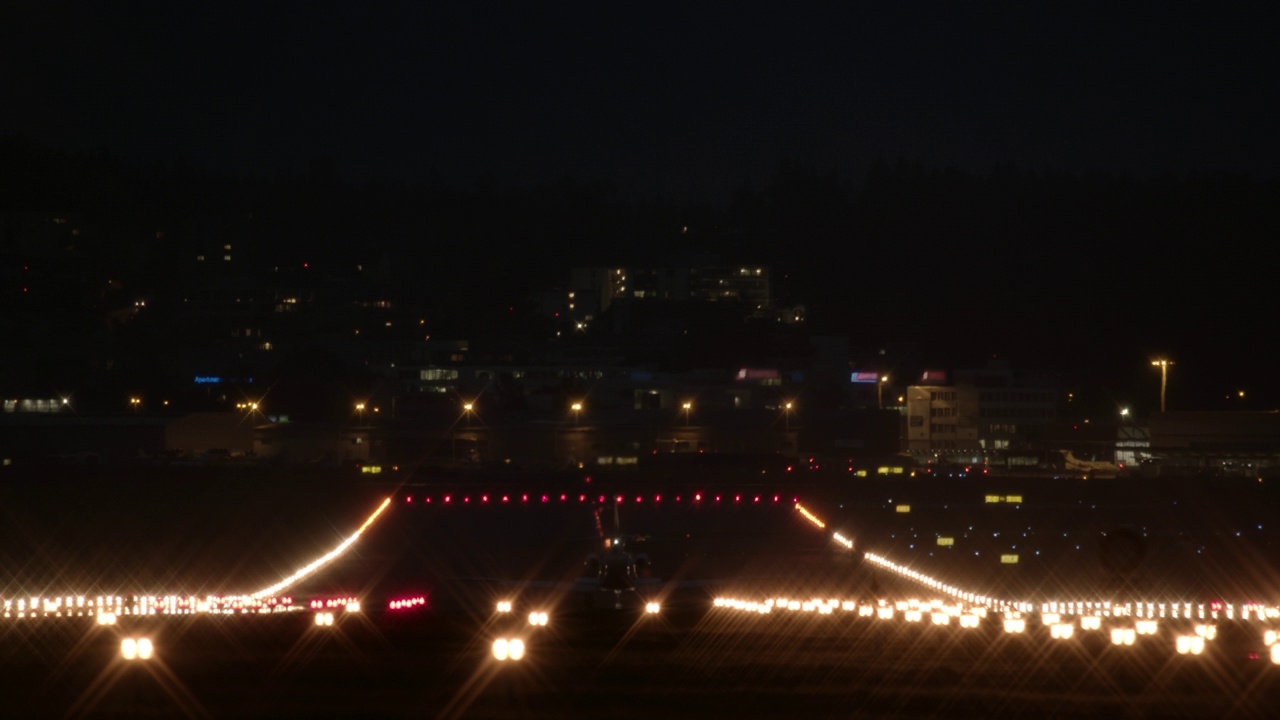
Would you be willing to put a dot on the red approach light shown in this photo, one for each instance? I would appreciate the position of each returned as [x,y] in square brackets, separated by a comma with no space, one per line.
[428,500]
[588,479]
[737,498]
[775,498]
[448,498]
[657,498]
[639,499]
[677,498]
[618,499]
[697,497]
[562,497]
[717,498]
[788,468]
[757,498]
[601,499]
[506,498]
[524,497]
[408,498]
[484,498]
[795,500]
[544,498]
[582,498]
[466,499]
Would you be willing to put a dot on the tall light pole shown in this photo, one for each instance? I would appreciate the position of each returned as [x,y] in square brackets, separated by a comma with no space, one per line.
[466,410]
[1164,378]
[880,391]
[577,412]
[687,407]
[786,415]
[360,412]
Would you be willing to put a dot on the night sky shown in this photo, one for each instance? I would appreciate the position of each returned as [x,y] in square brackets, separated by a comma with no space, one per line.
[677,104]
[658,98]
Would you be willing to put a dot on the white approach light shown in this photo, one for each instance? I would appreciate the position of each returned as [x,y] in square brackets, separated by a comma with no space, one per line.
[652,608]
[1189,644]
[538,619]
[504,606]
[1123,636]
[508,649]
[1013,626]
[136,648]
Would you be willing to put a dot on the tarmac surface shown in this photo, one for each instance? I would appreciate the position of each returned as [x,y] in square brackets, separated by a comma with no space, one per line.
[1191,542]
[686,663]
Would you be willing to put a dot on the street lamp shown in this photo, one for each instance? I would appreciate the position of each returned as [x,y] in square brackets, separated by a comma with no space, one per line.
[880,391]
[1164,377]
[786,415]
[577,412]
[360,412]
[135,402]
[466,410]
[687,407]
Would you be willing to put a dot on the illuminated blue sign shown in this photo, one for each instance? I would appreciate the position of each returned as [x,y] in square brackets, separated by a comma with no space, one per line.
[208,380]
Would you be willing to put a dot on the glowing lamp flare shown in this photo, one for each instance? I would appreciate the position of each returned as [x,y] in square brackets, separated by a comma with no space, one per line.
[323,559]
[136,648]
[810,516]
[508,649]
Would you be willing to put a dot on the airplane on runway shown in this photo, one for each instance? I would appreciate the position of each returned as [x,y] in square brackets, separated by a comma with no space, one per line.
[616,570]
